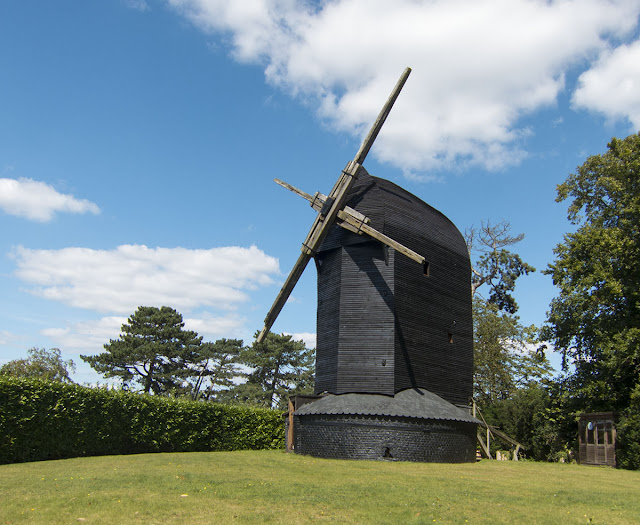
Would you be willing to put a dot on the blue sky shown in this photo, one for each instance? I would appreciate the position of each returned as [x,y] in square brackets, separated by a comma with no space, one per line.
[139,140]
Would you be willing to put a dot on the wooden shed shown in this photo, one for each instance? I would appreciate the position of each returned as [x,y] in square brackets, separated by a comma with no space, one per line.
[597,438]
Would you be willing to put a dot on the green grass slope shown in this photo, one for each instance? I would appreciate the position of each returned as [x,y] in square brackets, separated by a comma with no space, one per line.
[274,487]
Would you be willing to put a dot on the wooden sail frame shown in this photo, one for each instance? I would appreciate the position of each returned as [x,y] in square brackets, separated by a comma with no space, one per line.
[332,210]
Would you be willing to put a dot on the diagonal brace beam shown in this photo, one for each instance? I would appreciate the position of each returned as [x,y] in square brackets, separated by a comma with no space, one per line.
[355,222]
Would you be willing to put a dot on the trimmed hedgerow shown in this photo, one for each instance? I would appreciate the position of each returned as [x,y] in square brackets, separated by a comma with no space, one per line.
[42,420]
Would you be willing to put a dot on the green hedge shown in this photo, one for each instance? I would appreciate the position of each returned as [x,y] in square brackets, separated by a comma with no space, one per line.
[42,420]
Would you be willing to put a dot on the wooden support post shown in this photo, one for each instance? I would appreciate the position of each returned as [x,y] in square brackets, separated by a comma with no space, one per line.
[484,447]
[290,432]
[489,441]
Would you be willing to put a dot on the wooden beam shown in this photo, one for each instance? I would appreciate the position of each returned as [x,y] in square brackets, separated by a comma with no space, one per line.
[295,190]
[482,444]
[290,432]
[354,221]
[336,201]
[284,293]
[317,201]
[372,232]
[508,439]
[382,116]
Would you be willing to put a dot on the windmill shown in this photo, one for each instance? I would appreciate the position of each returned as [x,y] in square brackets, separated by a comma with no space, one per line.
[394,353]
[332,210]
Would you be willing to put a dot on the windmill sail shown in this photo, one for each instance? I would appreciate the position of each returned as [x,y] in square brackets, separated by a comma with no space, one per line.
[334,204]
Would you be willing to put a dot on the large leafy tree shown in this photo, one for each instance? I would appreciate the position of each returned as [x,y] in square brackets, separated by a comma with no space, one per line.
[509,366]
[41,364]
[595,319]
[279,367]
[493,264]
[153,350]
[506,357]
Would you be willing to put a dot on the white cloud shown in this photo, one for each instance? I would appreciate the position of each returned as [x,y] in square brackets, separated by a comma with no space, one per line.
[38,201]
[118,281]
[212,327]
[7,337]
[479,65]
[308,338]
[612,85]
[137,5]
[90,336]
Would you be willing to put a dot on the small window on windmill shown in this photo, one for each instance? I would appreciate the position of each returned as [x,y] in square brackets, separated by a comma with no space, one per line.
[450,338]
[426,269]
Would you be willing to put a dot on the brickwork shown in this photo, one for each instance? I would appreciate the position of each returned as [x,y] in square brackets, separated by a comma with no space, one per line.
[385,438]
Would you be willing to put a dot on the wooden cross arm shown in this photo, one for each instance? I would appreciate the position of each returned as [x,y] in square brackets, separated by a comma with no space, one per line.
[354,221]
[318,232]
[318,201]
[372,232]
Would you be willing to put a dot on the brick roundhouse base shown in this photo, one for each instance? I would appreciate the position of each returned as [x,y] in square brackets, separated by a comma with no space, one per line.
[413,425]
[385,438]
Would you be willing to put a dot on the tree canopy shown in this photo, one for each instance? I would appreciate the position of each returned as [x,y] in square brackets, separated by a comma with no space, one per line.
[493,264]
[279,367]
[216,368]
[153,350]
[595,319]
[41,364]
[505,354]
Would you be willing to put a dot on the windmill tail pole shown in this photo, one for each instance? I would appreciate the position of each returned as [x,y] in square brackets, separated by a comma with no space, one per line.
[382,116]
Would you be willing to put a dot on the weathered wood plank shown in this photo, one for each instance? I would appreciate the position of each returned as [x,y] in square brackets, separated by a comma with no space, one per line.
[372,232]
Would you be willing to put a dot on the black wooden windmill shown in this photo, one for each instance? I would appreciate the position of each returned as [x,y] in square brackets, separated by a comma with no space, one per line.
[394,355]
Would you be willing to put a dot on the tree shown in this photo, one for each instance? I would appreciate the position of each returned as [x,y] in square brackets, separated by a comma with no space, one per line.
[280,367]
[153,350]
[217,367]
[41,364]
[505,358]
[495,265]
[595,319]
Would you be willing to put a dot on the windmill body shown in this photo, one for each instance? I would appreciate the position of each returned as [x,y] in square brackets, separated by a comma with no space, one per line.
[394,356]
[386,323]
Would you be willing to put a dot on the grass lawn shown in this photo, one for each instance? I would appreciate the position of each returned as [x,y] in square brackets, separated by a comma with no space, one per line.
[274,487]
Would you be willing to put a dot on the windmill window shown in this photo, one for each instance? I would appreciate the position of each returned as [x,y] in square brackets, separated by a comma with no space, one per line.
[426,269]
[450,338]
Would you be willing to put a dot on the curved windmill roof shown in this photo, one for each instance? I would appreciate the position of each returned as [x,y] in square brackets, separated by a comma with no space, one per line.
[399,214]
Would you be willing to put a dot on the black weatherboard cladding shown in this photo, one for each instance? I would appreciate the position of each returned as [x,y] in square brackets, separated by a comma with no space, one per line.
[383,325]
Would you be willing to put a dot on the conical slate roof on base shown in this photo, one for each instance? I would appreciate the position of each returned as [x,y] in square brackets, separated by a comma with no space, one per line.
[413,403]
